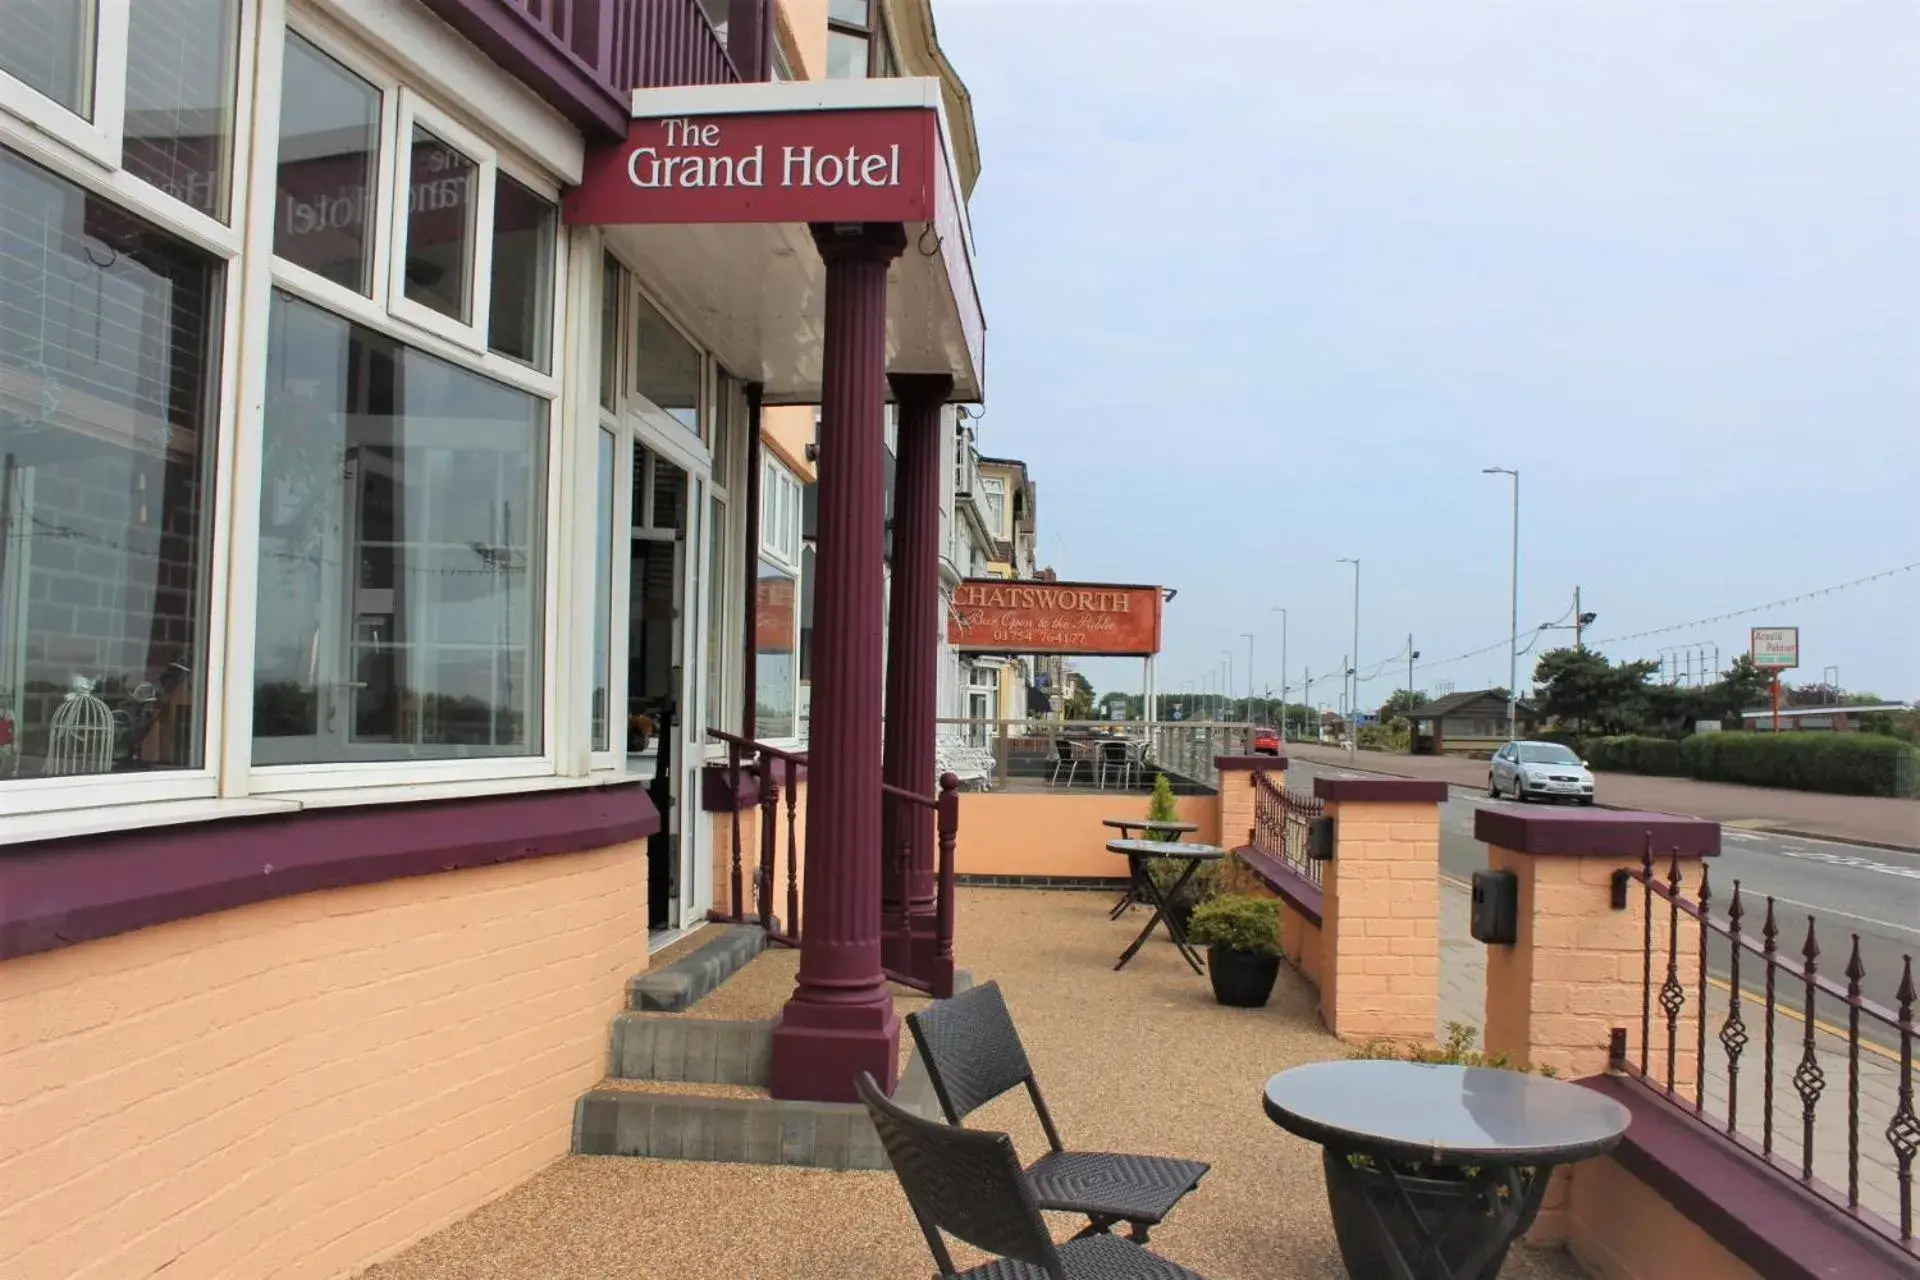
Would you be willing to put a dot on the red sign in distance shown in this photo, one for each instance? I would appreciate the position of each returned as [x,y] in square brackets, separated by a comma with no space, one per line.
[789,166]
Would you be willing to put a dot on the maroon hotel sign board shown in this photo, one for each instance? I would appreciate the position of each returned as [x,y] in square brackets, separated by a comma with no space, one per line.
[997,615]
[854,165]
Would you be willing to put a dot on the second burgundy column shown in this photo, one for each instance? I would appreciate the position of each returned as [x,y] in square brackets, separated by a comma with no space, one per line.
[840,1020]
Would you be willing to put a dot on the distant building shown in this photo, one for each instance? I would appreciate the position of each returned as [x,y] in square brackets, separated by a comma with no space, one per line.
[1465,724]
[1831,719]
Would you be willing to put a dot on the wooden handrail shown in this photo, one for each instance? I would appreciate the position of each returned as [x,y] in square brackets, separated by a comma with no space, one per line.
[748,744]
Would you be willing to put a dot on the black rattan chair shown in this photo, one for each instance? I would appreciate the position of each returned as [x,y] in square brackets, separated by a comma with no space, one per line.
[968,1184]
[973,1055]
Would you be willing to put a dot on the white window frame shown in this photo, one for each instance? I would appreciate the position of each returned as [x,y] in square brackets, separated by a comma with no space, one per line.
[415,112]
[98,138]
[561,721]
[990,488]
[84,159]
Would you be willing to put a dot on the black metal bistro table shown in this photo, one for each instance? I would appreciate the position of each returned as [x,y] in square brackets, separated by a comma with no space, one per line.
[1433,1171]
[1136,866]
[1191,854]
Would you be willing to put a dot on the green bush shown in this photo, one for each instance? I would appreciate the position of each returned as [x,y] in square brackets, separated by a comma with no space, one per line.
[1460,1050]
[1854,764]
[1632,753]
[1167,871]
[1161,806]
[1238,922]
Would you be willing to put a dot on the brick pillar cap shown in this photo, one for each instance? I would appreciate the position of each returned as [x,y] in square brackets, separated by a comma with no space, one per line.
[1259,764]
[1383,790]
[1604,833]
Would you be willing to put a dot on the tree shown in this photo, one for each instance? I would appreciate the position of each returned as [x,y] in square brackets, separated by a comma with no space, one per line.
[1400,704]
[1582,689]
[1080,698]
[1741,687]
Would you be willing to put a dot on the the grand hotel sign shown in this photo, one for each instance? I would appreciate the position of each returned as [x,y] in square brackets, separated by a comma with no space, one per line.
[996,615]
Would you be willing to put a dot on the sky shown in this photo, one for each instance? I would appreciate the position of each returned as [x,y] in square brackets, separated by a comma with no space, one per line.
[1269,282]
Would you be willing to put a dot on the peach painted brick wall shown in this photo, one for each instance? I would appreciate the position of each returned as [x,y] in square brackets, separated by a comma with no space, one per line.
[1301,941]
[1380,977]
[1236,803]
[301,1087]
[1575,972]
[1622,1229]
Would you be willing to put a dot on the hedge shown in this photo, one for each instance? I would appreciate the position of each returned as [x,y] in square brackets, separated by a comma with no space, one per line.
[1855,764]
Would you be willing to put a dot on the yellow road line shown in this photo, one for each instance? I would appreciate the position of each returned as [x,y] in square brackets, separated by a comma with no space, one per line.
[1822,1024]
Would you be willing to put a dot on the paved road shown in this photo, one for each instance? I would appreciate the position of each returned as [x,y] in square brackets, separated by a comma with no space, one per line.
[1874,820]
[1847,889]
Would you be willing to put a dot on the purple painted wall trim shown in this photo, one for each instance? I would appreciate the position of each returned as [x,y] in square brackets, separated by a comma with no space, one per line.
[1381,790]
[1300,893]
[714,797]
[1610,833]
[505,33]
[1754,1212]
[56,893]
[1257,763]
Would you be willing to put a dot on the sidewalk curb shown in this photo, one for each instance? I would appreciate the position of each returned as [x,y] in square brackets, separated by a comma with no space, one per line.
[1827,838]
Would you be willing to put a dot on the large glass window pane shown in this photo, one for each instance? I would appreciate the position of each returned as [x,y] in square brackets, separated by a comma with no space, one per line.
[666,366]
[612,282]
[603,595]
[329,152]
[774,674]
[402,521]
[48,46]
[180,98]
[441,208]
[520,315]
[109,341]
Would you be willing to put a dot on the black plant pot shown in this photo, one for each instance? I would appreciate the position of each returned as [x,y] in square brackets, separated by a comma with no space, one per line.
[1354,1225]
[1242,979]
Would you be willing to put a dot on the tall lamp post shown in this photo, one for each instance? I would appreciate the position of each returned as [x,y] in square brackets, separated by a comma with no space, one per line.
[1353,701]
[1248,637]
[1228,686]
[1283,672]
[1513,607]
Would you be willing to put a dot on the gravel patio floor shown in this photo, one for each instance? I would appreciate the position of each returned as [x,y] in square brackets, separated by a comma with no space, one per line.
[1141,1060]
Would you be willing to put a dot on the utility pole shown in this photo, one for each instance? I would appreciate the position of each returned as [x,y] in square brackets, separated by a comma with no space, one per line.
[1412,653]
[1353,704]
[1248,637]
[1578,622]
[1513,608]
[1283,673]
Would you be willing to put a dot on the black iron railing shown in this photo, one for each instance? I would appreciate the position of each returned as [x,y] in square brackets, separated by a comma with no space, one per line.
[1839,1029]
[1282,820]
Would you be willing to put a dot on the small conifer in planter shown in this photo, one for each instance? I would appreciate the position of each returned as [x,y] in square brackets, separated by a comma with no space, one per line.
[1166,872]
[1242,935]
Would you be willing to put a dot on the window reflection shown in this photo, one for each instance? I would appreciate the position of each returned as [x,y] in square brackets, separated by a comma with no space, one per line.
[441,207]
[666,366]
[49,47]
[109,340]
[520,309]
[329,145]
[180,99]
[775,672]
[603,595]
[401,539]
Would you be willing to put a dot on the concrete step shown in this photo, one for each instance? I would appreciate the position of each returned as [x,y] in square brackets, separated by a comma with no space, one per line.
[820,1135]
[653,1046]
[690,979]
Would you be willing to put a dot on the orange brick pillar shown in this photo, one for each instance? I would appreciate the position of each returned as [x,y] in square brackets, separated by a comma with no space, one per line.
[1237,792]
[1380,909]
[1576,971]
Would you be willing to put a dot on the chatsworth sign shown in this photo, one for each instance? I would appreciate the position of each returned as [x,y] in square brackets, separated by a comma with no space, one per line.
[866,165]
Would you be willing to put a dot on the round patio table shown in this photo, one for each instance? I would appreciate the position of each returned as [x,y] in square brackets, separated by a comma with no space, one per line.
[1137,867]
[1191,854]
[1433,1170]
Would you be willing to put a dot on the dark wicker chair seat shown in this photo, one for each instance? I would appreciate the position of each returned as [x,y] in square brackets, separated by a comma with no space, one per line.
[1102,1257]
[973,1055]
[1104,1185]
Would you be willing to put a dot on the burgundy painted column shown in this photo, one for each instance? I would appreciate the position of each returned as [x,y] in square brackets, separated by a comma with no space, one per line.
[913,673]
[840,1019]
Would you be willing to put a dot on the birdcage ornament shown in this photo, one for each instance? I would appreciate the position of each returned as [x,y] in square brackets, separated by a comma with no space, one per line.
[80,739]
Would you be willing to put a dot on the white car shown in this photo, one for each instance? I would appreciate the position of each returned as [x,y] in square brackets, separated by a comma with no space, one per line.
[1539,771]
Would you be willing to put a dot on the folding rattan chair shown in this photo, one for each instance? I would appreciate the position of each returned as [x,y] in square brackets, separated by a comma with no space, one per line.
[967,1183]
[973,1055]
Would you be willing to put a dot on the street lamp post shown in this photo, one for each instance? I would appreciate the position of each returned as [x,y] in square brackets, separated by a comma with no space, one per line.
[1513,607]
[1283,672]
[1227,688]
[1353,701]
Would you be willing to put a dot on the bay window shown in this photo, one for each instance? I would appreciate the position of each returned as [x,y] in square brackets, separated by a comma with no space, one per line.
[858,46]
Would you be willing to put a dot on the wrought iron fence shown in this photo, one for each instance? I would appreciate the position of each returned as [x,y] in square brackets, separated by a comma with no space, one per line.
[1870,1150]
[1282,820]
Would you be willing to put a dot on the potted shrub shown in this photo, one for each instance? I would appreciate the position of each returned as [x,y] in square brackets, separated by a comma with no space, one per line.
[1242,936]
[1166,872]
[1433,1190]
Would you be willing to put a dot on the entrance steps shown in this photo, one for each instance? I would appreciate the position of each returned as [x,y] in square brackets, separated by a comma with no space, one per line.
[683,1087]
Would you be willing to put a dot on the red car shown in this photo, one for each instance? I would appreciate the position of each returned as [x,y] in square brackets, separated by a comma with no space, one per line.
[1266,742]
